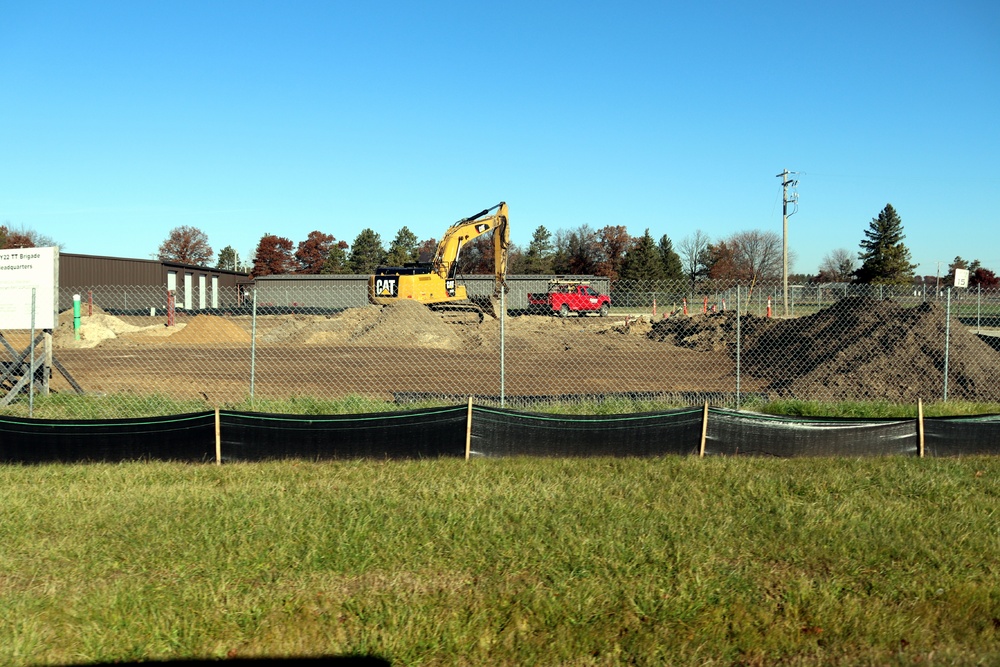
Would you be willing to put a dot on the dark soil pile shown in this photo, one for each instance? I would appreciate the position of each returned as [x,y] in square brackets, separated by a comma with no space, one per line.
[712,331]
[857,349]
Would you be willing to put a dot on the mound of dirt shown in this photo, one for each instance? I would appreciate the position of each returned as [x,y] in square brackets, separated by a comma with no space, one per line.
[209,330]
[857,349]
[94,329]
[407,324]
[865,349]
[711,331]
[334,330]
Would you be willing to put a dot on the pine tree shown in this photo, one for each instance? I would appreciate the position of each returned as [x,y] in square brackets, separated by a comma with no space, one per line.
[227,259]
[538,258]
[642,261]
[403,248]
[885,260]
[673,269]
[367,253]
[336,260]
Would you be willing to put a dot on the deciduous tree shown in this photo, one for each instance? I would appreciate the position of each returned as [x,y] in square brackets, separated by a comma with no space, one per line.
[885,260]
[612,243]
[838,266]
[23,237]
[576,251]
[693,252]
[186,245]
[983,277]
[312,253]
[426,250]
[273,256]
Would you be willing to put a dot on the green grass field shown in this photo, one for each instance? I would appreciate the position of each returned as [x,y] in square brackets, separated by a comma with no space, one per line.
[505,562]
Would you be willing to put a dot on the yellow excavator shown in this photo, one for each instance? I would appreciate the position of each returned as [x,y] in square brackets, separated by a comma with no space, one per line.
[433,283]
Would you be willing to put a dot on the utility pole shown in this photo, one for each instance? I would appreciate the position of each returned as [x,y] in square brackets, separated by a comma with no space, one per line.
[785,201]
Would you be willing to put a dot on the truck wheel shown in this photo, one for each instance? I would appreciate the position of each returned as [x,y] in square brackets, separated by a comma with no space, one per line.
[564,311]
[604,310]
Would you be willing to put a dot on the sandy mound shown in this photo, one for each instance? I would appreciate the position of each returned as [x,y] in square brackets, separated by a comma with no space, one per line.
[209,330]
[94,329]
[320,329]
[405,324]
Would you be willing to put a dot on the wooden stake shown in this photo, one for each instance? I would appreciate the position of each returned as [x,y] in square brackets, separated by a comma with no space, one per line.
[920,425]
[468,431]
[218,439]
[704,430]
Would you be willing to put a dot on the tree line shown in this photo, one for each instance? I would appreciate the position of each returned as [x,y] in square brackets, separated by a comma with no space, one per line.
[748,256]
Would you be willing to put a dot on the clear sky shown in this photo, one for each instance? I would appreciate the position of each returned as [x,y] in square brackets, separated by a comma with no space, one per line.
[122,120]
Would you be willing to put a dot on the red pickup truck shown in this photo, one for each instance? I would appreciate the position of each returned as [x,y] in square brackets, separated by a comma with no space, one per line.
[570,296]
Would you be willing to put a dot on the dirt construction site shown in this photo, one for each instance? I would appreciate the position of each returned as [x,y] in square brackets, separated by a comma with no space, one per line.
[856,349]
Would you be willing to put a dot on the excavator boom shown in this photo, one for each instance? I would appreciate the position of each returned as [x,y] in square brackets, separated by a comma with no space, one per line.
[434,283]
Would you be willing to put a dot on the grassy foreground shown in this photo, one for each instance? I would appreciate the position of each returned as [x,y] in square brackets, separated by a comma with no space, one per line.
[505,562]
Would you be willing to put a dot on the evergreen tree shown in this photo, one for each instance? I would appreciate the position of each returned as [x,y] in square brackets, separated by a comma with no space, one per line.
[367,253]
[228,261]
[673,269]
[336,260]
[538,258]
[885,260]
[403,248]
[642,261]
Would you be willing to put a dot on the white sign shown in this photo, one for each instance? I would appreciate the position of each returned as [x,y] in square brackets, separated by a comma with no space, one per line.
[21,271]
[961,278]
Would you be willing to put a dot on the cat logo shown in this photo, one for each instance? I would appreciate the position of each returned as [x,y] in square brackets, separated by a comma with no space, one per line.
[482,228]
[449,287]
[387,286]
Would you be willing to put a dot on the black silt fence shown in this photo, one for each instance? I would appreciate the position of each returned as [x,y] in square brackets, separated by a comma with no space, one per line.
[499,432]
[487,433]
[188,437]
[733,433]
[427,433]
[962,436]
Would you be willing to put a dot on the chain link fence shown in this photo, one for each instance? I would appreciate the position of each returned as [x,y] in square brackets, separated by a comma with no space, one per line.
[300,342]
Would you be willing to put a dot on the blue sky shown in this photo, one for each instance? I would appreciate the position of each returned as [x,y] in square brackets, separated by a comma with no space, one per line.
[123,120]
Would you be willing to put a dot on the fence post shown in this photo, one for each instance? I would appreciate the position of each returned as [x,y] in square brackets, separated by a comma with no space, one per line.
[503,314]
[979,307]
[704,431]
[920,425]
[468,430]
[218,439]
[31,365]
[170,308]
[253,346]
[947,341]
[737,347]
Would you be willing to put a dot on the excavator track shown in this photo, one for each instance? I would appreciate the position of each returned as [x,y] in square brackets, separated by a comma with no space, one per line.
[459,313]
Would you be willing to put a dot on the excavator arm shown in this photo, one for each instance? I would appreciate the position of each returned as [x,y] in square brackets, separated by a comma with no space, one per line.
[466,230]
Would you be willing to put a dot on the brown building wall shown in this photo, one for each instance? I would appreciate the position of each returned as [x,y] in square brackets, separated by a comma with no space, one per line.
[125,283]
